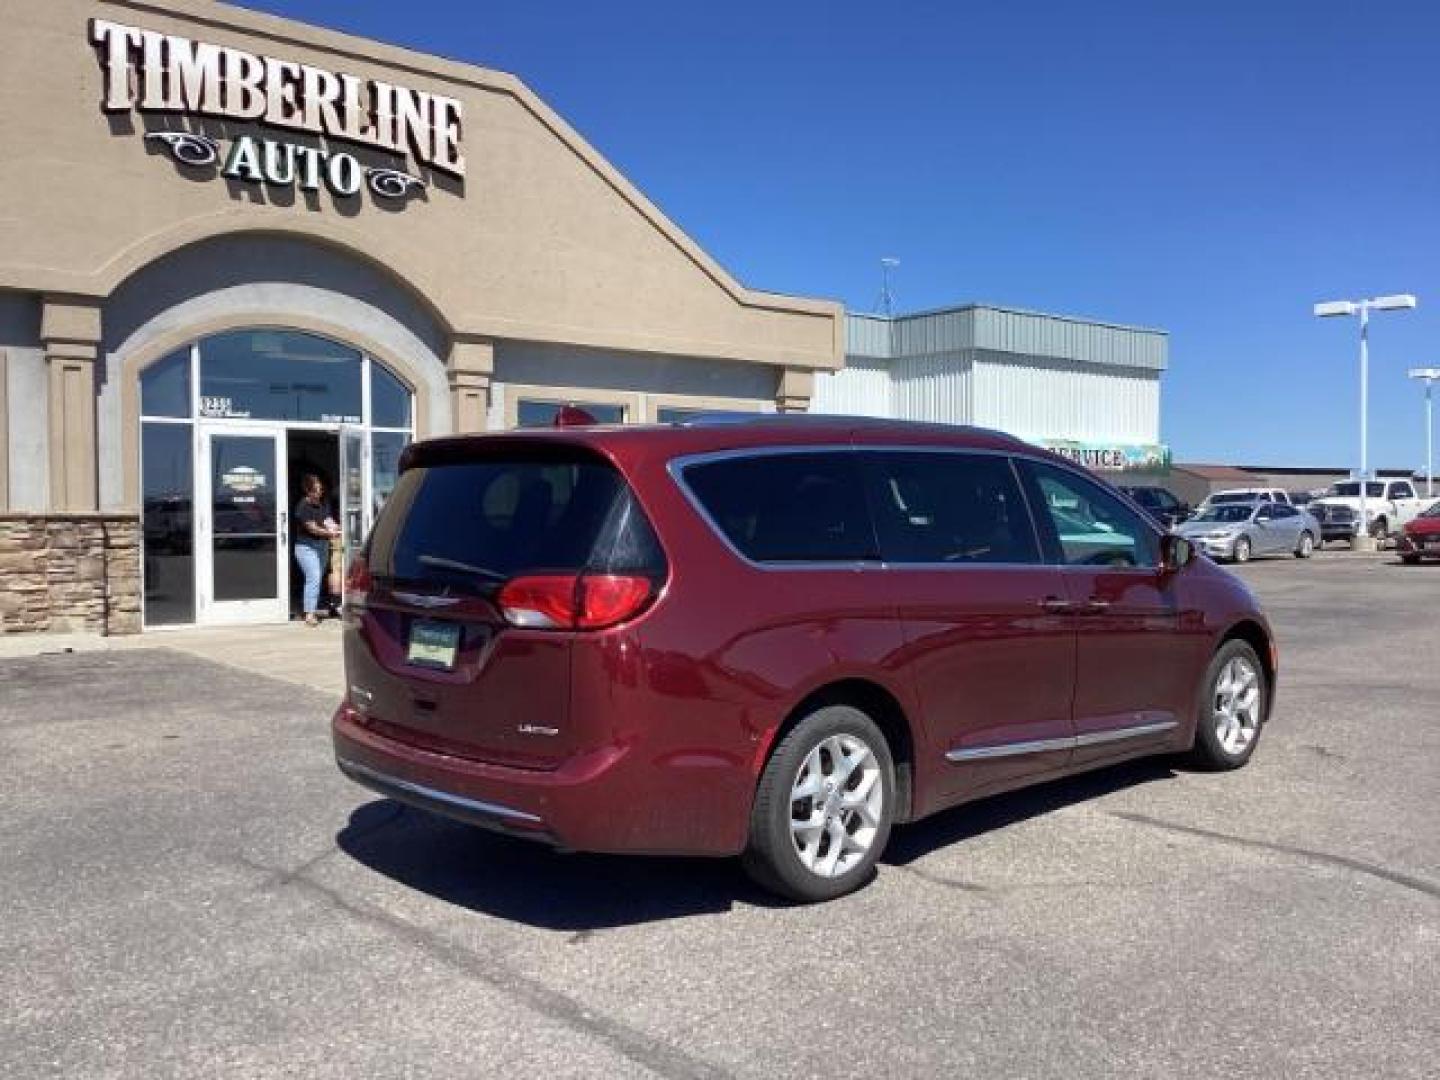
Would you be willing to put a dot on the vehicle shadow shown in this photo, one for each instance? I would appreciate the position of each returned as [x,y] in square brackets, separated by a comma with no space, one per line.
[533,884]
[911,842]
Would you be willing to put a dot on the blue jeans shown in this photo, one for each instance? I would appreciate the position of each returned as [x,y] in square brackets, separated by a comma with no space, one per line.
[312,565]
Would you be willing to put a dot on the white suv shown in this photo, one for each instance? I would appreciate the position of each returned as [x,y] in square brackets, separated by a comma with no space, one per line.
[1389,505]
[1235,495]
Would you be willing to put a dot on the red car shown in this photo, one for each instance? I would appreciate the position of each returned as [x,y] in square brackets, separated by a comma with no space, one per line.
[774,638]
[1421,537]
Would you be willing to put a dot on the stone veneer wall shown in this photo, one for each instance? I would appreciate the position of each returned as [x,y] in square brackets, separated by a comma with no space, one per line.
[69,573]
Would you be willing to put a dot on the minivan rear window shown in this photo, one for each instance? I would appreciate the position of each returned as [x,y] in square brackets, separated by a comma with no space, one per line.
[478,523]
[789,507]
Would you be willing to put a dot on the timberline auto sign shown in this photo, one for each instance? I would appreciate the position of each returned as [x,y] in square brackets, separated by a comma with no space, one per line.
[151,72]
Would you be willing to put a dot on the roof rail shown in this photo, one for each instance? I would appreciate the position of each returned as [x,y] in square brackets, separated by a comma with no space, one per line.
[724,419]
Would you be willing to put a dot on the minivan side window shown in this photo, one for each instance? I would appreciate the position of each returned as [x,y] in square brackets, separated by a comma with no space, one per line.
[948,507]
[1084,525]
[787,507]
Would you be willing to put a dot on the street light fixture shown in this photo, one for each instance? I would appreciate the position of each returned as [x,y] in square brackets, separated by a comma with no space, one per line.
[1330,309]
[1428,375]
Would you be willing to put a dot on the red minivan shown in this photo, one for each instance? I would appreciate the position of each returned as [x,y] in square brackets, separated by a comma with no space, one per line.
[774,638]
[1421,536]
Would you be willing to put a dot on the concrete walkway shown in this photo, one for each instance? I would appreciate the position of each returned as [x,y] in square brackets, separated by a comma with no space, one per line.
[296,653]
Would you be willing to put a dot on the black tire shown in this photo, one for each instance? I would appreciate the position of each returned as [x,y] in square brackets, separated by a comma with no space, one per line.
[1307,546]
[1410,560]
[1209,752]
[1242,549]
[772,858]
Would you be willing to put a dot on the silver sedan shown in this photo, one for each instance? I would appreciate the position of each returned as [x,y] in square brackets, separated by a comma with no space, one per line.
[1239,530]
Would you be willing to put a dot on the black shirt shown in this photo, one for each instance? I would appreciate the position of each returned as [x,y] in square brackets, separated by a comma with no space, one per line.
[306,511]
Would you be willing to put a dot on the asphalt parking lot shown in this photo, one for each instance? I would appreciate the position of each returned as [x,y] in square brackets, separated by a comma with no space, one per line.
[191,889]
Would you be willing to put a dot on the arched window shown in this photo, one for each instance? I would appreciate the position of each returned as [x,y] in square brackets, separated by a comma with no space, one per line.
[312,391]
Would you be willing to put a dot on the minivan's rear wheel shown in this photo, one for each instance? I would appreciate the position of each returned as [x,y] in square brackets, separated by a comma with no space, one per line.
[823,808]
[1232,708]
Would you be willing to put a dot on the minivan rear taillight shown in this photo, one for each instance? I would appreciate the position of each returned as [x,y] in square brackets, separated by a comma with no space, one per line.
[573,601]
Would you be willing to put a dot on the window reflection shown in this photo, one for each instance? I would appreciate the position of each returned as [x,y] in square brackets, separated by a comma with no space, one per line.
[530,413]
[389,399]
[165,386]
[279,375]
[385,447]
[678,415]
[167,519]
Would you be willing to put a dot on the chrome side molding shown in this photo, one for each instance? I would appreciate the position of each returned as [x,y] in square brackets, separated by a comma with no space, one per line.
[1094,738]
[1074,742]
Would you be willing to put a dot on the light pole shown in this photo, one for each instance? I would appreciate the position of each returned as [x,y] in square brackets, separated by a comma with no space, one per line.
[1428,375]
[887,298]
[1398,302]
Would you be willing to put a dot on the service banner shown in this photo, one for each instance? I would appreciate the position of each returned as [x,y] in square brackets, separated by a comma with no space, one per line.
[1151,458]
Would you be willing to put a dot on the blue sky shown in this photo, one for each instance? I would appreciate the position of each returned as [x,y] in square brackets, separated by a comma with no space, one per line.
[1211,169]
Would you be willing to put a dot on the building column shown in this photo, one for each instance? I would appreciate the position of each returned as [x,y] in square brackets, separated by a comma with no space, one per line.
[470,368]
[795,390]
[70,335]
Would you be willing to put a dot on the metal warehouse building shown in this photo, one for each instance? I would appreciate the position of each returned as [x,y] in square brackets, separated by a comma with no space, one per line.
[1087,389]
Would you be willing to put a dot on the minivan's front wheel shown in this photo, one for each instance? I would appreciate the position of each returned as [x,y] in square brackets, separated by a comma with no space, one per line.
[1232,708]
[823,808]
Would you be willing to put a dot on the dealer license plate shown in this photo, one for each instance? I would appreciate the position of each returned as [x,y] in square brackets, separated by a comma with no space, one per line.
[433,644]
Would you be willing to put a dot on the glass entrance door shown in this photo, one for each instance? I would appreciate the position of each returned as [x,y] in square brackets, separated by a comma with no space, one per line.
[354,505]
[242,541]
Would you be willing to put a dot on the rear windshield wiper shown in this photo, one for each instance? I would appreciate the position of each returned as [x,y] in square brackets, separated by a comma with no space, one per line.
[442,563]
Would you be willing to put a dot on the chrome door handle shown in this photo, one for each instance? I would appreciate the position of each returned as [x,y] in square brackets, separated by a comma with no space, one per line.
[1057,606]
[1094,607]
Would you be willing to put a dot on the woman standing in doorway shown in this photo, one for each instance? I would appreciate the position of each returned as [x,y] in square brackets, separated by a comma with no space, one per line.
[313,534]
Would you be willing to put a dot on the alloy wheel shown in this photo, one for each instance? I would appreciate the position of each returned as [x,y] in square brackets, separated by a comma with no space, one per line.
[1242,550]
[836,805]
[1235,705]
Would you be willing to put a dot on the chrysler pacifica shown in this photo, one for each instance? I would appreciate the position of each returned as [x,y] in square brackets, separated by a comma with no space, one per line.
[774,638]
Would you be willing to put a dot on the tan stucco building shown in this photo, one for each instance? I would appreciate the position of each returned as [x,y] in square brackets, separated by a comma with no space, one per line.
[235,249]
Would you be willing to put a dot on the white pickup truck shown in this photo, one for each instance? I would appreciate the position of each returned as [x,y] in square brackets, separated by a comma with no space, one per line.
[1389,504]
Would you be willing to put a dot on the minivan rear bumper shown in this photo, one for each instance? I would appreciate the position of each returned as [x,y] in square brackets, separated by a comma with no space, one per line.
[475,812]
[612,799]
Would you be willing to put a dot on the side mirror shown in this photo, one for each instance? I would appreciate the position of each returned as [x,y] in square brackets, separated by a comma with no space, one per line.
[1176,553]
